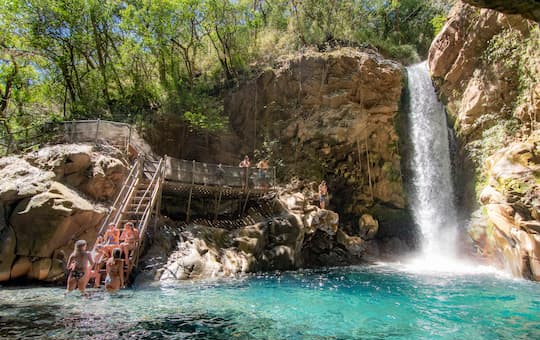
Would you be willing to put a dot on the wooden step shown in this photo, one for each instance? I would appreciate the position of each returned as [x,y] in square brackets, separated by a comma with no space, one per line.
[133,212]
[141,205]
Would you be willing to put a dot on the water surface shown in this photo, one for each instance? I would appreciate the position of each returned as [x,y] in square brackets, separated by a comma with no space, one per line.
[377,302]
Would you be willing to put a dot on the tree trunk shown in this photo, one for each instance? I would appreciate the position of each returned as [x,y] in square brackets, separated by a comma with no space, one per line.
[101,57]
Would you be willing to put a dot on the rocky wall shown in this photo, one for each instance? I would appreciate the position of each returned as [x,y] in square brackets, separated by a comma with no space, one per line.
[331,116]
[486,67]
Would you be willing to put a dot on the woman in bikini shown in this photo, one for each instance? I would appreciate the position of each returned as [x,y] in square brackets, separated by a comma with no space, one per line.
[115,271]
[112,235]
[101,254]
[130,236]
[78,266]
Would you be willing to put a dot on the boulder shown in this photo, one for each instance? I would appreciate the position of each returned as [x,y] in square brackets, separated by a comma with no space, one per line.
[21,268]
[8,244]
[369,227]
[281,258]
[19,179]
[52,219]
[321,219]
[292,239]
[40,269]
[97,172]
[354,245]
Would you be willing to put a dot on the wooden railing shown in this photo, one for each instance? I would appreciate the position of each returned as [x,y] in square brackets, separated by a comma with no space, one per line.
[207,174]
[76,131]
[153,192]
[123,197]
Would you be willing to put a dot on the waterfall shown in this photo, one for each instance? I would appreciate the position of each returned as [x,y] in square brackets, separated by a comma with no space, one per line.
[432,196]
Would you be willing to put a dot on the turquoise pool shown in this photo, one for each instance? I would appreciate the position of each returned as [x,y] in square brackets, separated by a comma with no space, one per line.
[375,302]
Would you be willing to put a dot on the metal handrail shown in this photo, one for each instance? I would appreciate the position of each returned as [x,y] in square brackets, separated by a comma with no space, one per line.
[150,184]
[143,222]
[206,173]
[126,186]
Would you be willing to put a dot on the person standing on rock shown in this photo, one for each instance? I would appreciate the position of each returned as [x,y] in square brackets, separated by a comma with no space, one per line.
[245,164]
[78,267]
[323,194]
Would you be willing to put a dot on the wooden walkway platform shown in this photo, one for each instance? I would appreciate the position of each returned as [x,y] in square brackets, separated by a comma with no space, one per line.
[207,191]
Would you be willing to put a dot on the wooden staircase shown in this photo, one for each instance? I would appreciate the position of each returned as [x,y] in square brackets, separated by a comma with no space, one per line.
[136,202]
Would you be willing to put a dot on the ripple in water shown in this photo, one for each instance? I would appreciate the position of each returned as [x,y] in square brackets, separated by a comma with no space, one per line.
[349,303]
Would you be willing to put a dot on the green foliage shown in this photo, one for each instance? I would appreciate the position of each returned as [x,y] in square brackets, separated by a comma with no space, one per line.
[504,47]
[438,22]
[492,140]
[132,60]
[518,53]
[512,185]
[392,174]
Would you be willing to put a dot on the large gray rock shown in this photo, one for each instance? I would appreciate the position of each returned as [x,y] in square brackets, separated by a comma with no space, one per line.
[50,220]
[46,205]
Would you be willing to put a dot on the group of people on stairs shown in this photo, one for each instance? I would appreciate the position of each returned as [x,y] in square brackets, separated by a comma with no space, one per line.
[112,250]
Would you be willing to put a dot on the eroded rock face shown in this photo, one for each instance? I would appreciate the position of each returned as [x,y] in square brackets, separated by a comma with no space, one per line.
[96,171]
[509,231]
[485,65]
[48,200]
[333,116]
[474,85]
[529,9]
[298,235]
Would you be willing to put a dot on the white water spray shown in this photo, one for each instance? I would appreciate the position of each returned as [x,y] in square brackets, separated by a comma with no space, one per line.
[433,195]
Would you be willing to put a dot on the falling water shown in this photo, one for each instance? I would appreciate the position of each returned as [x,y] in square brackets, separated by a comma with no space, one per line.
[433,195]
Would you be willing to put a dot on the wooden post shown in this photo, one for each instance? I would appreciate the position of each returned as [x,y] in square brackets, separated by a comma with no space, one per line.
[129,140]
[160,193]
[97,131]
[10,141]
[245,204]
[188,212]
[72,131]
[218,203]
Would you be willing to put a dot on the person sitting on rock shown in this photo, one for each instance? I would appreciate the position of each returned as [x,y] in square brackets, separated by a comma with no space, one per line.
[78,266]
[323,194]
[130,236]
[115,271]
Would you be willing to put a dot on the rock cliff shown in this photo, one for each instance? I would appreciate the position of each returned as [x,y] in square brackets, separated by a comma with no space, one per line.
[48,200]
[486,67]
[331,116]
